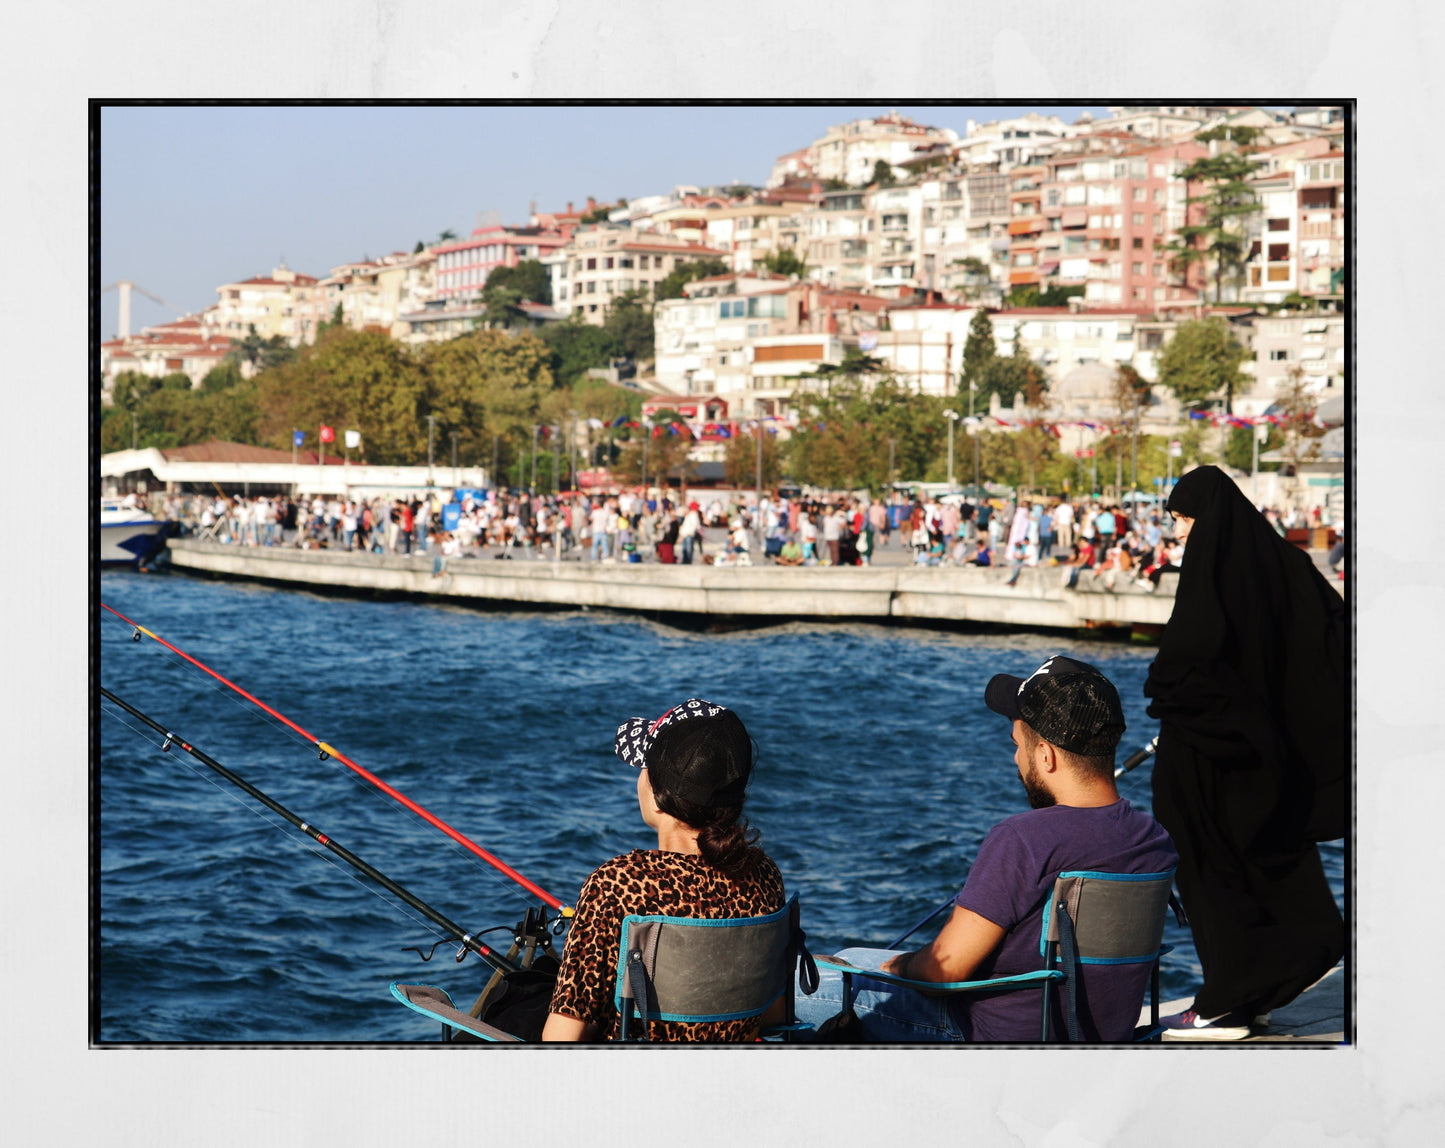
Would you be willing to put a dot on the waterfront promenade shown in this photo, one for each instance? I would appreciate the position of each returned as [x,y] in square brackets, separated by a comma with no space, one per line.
[888,591]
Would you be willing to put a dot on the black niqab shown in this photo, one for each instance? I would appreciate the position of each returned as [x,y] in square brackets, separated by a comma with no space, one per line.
[1249,689]
[1252,663]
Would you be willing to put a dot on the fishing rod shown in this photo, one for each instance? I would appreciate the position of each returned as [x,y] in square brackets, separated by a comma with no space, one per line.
[1137,757]
[499,964]
[326,751]
[1134,759]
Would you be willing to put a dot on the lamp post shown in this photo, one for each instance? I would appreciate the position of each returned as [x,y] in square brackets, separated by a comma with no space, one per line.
[758,506]
[456,475]
[972,388]
[431,432]
[952,417]
[532,487]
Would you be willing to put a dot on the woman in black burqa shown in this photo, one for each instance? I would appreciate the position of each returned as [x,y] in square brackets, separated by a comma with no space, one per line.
[1249,690]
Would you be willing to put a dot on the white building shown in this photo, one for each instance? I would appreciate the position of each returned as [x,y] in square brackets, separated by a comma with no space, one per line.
[1006,143]
[851,151]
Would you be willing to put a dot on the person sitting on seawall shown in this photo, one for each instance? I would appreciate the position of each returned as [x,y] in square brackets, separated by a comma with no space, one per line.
[693,766]
[1067,722]
[791,554]
[1251,769]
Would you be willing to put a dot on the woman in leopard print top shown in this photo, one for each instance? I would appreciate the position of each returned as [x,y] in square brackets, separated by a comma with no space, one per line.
[694,763]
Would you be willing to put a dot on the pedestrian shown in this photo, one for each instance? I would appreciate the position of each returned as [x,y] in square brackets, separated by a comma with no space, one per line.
[1250,771]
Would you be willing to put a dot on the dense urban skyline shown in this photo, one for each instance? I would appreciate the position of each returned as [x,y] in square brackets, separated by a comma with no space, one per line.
[194,196]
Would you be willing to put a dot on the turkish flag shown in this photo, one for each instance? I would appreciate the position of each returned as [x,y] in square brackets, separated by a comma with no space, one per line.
[328,434]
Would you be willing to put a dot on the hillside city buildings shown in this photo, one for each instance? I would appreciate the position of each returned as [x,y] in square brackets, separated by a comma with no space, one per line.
[905,231]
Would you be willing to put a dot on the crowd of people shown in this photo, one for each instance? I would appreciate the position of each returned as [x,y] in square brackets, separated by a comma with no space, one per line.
[1106,545]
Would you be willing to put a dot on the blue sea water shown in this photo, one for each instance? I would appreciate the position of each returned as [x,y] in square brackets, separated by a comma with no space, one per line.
[879,772]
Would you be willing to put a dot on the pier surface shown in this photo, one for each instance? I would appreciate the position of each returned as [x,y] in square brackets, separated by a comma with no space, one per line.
[1316,1016]
[886,591]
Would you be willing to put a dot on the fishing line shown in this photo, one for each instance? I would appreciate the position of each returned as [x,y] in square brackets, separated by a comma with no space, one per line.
[281,826]
[372,797]
[327,750]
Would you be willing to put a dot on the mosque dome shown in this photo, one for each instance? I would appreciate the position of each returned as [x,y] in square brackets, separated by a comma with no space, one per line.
[1087,391]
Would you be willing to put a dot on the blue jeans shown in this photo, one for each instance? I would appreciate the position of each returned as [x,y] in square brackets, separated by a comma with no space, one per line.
[599,551]
[687,550]
[888,1013]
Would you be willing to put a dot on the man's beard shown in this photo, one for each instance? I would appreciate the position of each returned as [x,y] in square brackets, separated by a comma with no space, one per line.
[1039,797]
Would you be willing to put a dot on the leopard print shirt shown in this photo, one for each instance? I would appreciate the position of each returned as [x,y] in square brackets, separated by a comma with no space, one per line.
[653,881]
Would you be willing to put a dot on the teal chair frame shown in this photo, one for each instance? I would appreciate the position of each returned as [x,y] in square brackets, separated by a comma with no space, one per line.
[694,970]
[1090,918]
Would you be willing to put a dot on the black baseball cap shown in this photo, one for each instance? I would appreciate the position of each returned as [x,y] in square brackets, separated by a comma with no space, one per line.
[705,778]
[1066,702]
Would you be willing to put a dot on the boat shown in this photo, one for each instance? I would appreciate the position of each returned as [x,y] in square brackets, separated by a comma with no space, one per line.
[129,535]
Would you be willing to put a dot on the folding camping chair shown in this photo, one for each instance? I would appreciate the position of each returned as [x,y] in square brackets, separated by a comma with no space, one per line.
[696,970]
[680,969]
[1091,918]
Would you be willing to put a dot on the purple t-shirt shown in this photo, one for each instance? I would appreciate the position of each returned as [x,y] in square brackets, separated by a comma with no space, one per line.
[1010,883]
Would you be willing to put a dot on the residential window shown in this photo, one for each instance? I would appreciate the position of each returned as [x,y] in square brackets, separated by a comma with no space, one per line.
[1158,271]
[625,262]
[642,262]
[1138,244]
[1279,224]
[1137,268]
[607,264]
[625,285]
[1141,193]
[592,263]
[1138,219]
[592,288]
[1279,355]
[1158,195]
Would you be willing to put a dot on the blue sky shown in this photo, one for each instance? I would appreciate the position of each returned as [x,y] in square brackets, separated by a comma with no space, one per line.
[192,197]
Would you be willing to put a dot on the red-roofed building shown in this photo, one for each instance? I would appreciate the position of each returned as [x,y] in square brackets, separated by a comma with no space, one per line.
[462,266]
[605,261]
[374,293]
[186,346]
[285,303]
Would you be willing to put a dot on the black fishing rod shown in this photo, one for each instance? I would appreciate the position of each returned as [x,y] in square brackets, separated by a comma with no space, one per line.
[1138,757]
[499,963]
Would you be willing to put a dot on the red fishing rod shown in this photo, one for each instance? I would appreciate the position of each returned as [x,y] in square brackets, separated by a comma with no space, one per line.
[327,750]
[495,960]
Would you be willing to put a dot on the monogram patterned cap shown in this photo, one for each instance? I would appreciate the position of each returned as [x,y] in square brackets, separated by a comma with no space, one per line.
[635,736]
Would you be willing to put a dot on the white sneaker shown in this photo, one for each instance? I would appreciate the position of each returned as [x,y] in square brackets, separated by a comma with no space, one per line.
[1189,1025]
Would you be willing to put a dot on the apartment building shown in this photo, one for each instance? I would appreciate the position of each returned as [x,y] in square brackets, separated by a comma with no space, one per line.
[462,266]
[849,152]
[838,237]
[1103,222]
[607,260]
[373,294]
[1312,342]
[190,346]
[285,303]
[1003,144]
[1298,237]
[751,336]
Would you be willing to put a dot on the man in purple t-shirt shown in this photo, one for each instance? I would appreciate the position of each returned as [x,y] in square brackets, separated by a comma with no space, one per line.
[1067,722]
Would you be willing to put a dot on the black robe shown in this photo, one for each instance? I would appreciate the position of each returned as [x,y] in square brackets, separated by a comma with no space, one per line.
[1252,764]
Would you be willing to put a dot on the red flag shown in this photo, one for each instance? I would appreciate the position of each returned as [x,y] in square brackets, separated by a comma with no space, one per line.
[328,434]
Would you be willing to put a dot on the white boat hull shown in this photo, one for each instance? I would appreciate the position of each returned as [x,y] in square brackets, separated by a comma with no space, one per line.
[127,543]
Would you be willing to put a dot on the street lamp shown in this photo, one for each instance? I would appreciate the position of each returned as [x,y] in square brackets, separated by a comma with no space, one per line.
[952,417]
[431,431]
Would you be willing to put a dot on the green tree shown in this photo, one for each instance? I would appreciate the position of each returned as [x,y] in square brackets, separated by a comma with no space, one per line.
[740,464]
[785,262]
[1201,360]
[1014,375]
[529,278]
[629,325]
[500,307]
[576,347]
[671,287]
[979,350]
[882,174]
[1227,201]
[223,376]
[843,440]
[363,380]
[1239,448]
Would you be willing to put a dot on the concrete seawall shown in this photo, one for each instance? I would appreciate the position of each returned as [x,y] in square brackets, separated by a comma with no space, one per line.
[902,594]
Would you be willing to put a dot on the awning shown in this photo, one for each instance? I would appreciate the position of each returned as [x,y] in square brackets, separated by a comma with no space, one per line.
[1075,216]
[1027,225]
